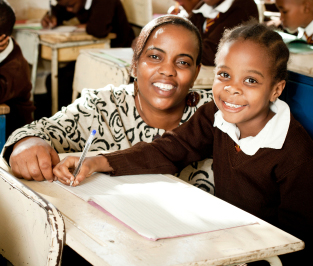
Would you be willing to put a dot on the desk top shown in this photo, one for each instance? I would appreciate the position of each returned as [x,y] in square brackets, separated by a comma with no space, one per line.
[301,63]
[4,109]
[72,37]
[102,240]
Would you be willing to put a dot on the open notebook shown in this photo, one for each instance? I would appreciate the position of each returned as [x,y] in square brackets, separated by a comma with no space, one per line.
[157,206]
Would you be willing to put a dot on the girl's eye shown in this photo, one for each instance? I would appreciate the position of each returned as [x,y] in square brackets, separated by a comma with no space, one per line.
[251,81]
[224,75]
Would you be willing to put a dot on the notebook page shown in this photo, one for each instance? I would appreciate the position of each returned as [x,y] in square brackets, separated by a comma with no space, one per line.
[156,206]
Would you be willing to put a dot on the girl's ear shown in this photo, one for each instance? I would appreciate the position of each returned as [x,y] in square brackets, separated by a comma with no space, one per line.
[277,90]
[196,74]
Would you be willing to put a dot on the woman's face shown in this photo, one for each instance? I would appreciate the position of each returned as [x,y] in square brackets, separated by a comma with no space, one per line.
[167,69]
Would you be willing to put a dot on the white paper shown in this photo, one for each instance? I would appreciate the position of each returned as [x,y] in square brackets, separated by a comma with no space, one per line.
[156,206]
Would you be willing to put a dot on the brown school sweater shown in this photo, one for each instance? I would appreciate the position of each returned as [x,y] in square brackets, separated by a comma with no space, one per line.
[274,184]
[15,88]
[240,11]
[103,17]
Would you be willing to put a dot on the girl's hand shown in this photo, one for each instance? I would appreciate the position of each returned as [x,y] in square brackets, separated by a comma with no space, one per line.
[63,170]
[4,41]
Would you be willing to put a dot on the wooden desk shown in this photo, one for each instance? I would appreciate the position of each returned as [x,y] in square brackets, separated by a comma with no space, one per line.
[4,109]
[102,240]
[58,47]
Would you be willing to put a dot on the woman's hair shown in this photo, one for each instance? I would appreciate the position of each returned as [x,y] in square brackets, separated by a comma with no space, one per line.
[267,38]
[160,21]
[7,19]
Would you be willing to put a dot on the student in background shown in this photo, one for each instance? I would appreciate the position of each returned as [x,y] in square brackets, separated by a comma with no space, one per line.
[297,15]
[99,17]
[183,7]
[15,85]
[212,17]
[165,65]
[263,157]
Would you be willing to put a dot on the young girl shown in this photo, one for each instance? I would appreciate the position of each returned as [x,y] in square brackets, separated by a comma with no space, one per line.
[263,158]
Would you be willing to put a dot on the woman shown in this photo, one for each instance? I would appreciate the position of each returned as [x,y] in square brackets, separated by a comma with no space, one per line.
[165,65]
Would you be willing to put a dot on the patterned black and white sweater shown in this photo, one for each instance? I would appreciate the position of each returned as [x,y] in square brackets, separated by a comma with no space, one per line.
[112,112]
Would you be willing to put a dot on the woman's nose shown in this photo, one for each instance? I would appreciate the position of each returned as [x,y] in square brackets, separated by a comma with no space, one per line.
[167,69]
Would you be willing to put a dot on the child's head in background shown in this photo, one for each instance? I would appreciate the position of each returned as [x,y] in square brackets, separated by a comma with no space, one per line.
[251,68]
[7,19]
[295,13]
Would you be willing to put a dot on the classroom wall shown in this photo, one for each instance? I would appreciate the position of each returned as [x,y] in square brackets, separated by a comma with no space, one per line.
[161,6]
[29,9]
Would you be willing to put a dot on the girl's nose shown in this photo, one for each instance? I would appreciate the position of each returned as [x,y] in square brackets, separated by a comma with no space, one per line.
[233,89]
[167,69]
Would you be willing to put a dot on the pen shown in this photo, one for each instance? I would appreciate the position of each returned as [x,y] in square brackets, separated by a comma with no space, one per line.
[83,156]
[50,11]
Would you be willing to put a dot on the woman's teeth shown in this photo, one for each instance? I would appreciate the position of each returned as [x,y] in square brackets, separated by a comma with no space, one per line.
[233,105]
[164,87]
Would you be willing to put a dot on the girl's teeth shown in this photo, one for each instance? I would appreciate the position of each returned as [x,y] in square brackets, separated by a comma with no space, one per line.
[233,105]
[164,87]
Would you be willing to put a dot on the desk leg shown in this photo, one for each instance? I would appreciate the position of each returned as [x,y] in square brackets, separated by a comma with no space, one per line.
[54,80]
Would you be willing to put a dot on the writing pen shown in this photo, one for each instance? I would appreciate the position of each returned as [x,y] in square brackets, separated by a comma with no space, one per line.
[83,156]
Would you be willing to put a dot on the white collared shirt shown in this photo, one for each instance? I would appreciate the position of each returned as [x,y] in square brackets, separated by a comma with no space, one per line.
[308,29]
[88,4]
[211,12]
[272,136]
[4,54]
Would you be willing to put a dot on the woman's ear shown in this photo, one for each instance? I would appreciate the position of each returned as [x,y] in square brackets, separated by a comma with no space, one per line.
[196,74]
[277,90]
[134,70]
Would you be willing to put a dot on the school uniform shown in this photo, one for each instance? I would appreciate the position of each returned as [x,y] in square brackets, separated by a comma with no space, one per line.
[15,87]
[101,17]
[306,33]
[226,15]
[270,177]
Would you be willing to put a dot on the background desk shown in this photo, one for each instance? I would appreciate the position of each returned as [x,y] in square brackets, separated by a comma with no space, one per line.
[4,109]
[102,240]
[298,92]
[58,47]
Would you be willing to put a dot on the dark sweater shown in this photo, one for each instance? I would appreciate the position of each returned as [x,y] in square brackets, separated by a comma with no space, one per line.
[274,184]
[15,88]
[103,17]
[240,11]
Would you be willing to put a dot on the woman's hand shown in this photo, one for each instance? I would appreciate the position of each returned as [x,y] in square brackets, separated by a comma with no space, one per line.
[63,171]
[33,158]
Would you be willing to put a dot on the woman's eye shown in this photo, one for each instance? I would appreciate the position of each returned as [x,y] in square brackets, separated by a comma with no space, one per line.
[251,81]
[154,56]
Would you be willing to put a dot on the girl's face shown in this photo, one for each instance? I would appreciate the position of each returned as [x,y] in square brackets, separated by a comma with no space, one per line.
[167,69]
[242,87]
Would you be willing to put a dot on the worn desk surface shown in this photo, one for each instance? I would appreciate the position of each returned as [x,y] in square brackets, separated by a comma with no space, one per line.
[4,109]
[102,240]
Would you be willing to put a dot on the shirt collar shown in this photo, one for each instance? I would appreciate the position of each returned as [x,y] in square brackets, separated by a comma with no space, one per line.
[308,29]
[211,12]
[88,4]
[4,54]
[272,136]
